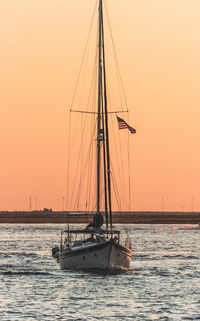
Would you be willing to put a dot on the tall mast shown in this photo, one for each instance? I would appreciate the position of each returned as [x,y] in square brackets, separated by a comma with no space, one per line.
[99,130]
[106,127]
[102,125]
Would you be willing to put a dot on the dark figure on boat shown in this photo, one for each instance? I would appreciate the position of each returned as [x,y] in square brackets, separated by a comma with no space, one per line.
[91,238]
[97,222]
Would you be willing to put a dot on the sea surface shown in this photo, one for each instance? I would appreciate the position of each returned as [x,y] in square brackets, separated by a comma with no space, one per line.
[163,283]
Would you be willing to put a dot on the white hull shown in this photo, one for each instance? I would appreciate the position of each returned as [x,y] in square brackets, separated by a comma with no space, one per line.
[108,255]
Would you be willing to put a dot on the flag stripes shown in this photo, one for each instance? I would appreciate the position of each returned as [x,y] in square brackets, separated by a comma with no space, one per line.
[123,125]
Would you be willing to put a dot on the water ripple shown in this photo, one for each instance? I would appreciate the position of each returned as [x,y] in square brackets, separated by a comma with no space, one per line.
[162,284]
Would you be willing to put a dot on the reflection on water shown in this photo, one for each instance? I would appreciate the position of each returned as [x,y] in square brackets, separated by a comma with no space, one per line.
[162,284]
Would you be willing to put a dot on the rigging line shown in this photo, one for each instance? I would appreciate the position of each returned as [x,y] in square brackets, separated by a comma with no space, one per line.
[129,170]
[93,119]
[88,128]
[123,173]
[94,74]
[93,84]
[81,163]
[93,80]
[93,112]
[77,165]
[117,159]
[85,166]
[116,191]
[116,55]
[84,170]
[105,164]
[92,92]
[83,112]
[68,163]
[129,165]
[87,62]
[115,186]
[120,90]
[75,178]
[95,206]
[118,78]
[90,171]
[120,168]
[78,172]
[83,57]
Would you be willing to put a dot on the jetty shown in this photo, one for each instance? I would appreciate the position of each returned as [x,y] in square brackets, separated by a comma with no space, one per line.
[47,216]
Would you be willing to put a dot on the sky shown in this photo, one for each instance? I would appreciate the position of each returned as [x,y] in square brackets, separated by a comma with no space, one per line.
[158,48]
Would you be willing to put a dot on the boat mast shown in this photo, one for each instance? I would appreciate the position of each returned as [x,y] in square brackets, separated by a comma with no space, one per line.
[99,130]
[102,125]
[106,127]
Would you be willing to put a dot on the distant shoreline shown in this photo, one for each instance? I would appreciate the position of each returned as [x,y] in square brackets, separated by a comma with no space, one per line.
[62,217]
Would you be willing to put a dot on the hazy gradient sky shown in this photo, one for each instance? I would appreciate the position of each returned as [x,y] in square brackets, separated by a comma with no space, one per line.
[158,48]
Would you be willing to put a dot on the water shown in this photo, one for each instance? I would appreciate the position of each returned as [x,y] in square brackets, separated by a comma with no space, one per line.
[163,284]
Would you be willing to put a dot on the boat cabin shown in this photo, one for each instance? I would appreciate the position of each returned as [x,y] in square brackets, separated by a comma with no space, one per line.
[78,237]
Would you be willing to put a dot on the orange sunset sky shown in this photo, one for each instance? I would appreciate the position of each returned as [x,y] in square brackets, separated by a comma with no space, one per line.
[158,48]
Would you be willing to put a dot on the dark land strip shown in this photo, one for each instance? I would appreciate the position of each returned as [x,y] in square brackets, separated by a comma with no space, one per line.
[135,217]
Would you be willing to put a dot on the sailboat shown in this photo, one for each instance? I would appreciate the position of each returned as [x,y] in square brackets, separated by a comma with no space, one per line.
[95,247]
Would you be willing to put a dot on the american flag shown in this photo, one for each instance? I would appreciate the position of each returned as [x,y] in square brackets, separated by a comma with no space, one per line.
[123,125]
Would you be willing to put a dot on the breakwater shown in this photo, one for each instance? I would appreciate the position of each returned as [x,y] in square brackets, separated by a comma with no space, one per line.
[134,217]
